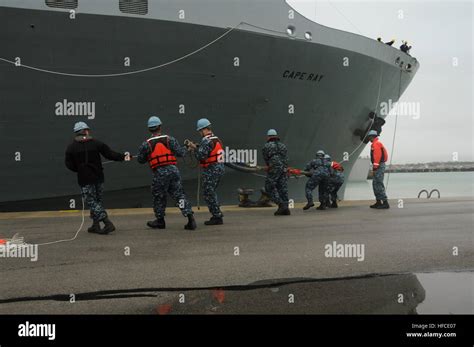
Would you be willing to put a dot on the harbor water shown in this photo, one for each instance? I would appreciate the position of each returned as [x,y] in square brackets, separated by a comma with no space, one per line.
[408,185]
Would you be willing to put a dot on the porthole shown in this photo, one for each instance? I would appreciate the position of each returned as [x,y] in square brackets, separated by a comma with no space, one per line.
[291,30]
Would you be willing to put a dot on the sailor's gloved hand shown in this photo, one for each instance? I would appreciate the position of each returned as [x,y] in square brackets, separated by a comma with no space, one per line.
[191,146]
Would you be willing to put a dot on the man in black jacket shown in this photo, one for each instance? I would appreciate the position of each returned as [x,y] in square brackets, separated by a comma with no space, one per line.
[83,156]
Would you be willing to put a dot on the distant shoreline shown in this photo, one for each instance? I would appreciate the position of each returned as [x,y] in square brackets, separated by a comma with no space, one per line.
[469,169]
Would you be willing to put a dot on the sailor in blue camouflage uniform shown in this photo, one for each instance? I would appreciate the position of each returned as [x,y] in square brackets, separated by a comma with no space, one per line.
[336,180]
[324,188]
[320,175]
[275,155]
[210,154]
[161,152]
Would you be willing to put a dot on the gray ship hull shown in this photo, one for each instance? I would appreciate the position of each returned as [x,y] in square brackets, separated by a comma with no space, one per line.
[242,102]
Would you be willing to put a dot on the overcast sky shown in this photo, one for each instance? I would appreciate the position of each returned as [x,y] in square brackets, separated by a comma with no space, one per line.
[439,31]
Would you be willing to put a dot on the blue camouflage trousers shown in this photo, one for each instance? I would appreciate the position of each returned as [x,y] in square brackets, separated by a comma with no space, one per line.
[167,180]
[377,183]
[319,179]
[276,186]
[335,183]
[211,176]
[92,195]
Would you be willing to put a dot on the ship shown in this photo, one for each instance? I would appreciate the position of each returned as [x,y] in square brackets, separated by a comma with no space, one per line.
[360,170]
[246,65]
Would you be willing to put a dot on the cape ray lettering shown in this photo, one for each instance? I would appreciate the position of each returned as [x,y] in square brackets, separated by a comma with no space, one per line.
[303,76]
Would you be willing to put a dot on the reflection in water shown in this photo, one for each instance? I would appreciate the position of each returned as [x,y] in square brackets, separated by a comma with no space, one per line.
[386,294]
[390,294]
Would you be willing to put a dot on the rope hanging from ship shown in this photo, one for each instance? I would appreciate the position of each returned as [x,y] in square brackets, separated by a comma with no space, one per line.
[129,72]
[188,55]
[395,129]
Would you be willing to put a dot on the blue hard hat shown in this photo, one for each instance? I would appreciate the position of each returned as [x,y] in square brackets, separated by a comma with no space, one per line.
[154,122]
[320,153]
[372,133]
[203,123]
[79,126]
[272,132]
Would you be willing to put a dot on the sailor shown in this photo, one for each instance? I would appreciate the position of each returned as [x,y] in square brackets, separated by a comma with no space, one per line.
[378,155]
[320,175]
[405,48]
[275,155]
[210,153]
[336,180]
[389,43]
[83,156]
[160,152]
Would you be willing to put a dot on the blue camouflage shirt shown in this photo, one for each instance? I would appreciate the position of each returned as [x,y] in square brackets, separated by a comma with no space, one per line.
[275,155]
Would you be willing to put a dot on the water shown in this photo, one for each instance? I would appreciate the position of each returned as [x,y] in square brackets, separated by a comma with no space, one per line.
[424,293]
[408,185]
[447,293]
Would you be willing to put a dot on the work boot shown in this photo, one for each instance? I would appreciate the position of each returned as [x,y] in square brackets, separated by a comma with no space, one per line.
[158,223]
[334,204]
[376,205]
[308,206]
[108,226]
[321,207]
[191,223]
[95,229]
[283,210]
[383,206]
[214,221]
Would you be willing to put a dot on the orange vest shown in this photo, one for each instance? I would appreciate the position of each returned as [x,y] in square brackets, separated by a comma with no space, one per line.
[216,153]
[161,154]
[336,166]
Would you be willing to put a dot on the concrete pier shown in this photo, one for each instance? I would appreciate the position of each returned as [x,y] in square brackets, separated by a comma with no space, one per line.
[139,270]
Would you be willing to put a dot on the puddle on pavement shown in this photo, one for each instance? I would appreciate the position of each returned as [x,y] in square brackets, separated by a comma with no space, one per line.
[430,293]
[447,293]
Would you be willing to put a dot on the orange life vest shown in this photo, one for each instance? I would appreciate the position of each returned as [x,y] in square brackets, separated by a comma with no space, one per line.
[161,154]
[336,166]
[216,154]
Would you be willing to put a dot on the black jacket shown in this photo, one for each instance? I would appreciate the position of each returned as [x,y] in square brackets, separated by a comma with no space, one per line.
[83,156]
